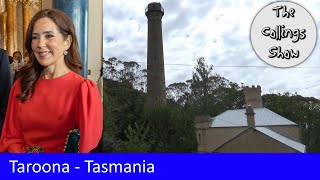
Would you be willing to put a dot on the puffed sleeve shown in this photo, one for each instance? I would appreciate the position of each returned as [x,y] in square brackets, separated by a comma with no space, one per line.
[11,137]
[89,116]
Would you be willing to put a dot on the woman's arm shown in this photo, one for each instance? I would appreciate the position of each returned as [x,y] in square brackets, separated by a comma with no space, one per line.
[89,116]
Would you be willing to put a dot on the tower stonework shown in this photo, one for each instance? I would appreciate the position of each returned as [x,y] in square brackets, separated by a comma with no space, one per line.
[253,96]
[156,88]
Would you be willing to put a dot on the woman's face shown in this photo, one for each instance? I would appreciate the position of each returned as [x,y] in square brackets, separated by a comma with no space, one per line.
[48,44]
[17,57]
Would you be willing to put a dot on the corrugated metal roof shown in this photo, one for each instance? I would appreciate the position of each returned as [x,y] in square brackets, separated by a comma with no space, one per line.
[295,145]
[238,118]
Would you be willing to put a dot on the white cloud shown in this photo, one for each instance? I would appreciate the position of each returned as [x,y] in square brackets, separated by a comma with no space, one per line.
[215,29]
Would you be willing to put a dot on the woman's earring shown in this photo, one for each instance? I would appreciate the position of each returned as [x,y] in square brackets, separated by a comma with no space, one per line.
[65,52]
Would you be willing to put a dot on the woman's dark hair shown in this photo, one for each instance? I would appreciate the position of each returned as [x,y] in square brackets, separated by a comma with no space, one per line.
[30,73]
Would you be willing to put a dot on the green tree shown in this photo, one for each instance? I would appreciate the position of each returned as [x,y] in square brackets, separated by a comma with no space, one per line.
[304,111]
[126,105]
[210,93]
[110,68]
[110,130]
[137,139]
[168,129]
[171,130]
[200,86]
[130,73]
[178,92]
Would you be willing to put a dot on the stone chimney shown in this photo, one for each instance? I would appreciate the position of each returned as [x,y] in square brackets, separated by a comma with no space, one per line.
[250,116]
[202,121]
[253,96]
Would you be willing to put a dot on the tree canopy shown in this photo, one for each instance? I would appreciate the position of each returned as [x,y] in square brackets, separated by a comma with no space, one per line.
[130,127]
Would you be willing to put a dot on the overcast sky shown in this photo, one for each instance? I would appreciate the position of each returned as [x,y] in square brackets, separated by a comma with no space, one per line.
[218,30]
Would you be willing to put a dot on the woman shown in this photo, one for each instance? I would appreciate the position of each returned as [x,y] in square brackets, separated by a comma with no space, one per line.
[17,63]
[17,60]
[50,98]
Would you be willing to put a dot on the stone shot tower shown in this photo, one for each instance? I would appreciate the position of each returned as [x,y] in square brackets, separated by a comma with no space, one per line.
[156,87]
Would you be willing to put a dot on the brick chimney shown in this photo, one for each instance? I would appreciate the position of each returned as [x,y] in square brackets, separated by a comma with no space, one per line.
[250,116]
[253,96]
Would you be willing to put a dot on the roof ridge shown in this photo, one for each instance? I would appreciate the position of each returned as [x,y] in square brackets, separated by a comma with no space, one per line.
[237,118]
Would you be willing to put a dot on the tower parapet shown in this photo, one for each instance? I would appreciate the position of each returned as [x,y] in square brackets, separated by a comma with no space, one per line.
[253,96]
[154,7]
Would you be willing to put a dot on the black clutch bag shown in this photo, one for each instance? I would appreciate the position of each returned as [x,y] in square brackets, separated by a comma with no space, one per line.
[72,142]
